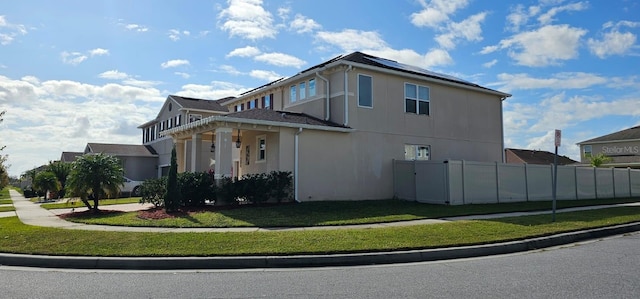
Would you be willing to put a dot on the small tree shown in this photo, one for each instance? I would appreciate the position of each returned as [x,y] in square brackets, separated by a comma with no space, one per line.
[172,196]
[599,159]
[61,171]
[94,177]
[46,181]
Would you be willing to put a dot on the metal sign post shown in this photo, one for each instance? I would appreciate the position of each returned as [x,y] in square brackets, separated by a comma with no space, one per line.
[558,137]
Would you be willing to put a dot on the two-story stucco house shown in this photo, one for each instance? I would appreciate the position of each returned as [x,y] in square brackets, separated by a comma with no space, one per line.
[622,147]
[338,126]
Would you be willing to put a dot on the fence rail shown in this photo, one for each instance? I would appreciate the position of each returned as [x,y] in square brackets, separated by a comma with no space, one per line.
[464,182]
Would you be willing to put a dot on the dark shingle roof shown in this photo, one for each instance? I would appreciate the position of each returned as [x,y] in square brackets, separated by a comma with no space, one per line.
[539,157]
[121,149]
[282,116]
[70,156]
[628,134]
[201,104]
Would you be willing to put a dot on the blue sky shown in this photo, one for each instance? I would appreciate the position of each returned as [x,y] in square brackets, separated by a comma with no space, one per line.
[73,72]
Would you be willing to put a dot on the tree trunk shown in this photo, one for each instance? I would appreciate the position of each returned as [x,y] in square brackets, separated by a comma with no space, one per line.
[95,205]
[86,203]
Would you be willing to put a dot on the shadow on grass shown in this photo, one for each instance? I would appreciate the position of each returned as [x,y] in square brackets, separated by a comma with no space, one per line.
[563,219]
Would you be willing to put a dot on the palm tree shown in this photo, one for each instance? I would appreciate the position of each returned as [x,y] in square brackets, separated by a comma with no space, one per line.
[61,171]
[46,181]
[94,177]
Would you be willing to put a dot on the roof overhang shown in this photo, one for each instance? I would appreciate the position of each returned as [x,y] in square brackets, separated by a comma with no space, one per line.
[212,122]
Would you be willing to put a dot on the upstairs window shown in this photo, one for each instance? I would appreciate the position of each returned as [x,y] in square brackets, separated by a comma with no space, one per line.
[252,104]
[238,108]
[365,91]
[194,117]
[262,148]
[303,90]
[312,87]
[293,93]
[587,151]
[416,99]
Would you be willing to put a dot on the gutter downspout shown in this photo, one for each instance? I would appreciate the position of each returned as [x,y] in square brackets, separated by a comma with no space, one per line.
[328,100]
[296,157]
[346,96]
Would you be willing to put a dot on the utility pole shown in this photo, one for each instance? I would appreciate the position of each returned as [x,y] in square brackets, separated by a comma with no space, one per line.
[558,137]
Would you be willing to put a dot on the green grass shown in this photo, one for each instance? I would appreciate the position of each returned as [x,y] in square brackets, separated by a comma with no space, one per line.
[327,213]
[78,203]
[7,209]
[16,237]
[6,201]
[4,193]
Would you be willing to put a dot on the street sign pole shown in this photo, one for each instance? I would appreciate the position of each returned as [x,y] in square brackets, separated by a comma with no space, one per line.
[558,137]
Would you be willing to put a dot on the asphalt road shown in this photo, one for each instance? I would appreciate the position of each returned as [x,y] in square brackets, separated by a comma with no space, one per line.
[605,268]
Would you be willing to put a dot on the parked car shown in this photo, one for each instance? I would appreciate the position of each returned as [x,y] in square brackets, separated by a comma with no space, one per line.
[131,187]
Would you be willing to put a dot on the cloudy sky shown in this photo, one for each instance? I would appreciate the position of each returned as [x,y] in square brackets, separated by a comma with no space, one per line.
[73,72]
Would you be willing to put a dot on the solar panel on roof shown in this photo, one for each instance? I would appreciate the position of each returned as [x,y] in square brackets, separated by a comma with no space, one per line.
[415,69]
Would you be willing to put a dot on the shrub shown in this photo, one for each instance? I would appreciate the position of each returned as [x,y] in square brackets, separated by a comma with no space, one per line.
[196,188]
[153,191]
[281,186]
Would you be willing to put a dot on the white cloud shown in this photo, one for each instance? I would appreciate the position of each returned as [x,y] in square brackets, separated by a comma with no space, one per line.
[435,57]
[216,90]
[247,19]
[436,12]
[113,75]
[280,59]
[98,52]
[230,70]
[351,40]
[614,42]
[174,63]
[73,58]
[490,63]
[176,34]
[302,24]
[9,31]
[136,27]
[548,45]
[183,75]
[566,80]
[469,30]
[265,75]
[518,17]
[547,17]
[247,51]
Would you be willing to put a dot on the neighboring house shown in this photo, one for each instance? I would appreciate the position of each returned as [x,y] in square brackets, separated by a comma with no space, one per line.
[338,126]
[623,147]
[176,112]
[140,162]
[518,156]
[69,157]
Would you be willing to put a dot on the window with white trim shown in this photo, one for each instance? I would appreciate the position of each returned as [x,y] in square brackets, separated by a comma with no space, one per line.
[262,148]
[303,90]
[416,99]
[293,94]
[587,151]
[312,87]
[417,152]
[365,91]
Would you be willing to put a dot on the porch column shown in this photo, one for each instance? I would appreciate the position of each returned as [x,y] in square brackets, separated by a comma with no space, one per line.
[180,155]
[196,152]
[224,153]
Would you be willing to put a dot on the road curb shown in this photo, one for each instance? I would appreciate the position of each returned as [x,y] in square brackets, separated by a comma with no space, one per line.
[290,261]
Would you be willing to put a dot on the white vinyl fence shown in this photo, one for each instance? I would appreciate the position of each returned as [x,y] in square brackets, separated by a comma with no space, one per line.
[464,182]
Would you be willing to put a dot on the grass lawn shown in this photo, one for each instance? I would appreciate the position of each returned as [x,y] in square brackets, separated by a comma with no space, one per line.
[78,203]
[4,194]
[326,213]
[6,201]
[7,209]
[16,237]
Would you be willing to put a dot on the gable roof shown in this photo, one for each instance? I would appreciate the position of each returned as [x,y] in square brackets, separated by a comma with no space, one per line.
[366,60]
[539,157]
[628,134]
[70,156]
[201,104]
[120,149]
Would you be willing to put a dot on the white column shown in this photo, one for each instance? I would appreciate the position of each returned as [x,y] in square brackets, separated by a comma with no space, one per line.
[196,152]
[224,153]
[180,155]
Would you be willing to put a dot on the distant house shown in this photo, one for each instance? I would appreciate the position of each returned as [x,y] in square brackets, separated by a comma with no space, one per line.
[336,126]
[139,161]
[69,157]
[518,156]
[623,147]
